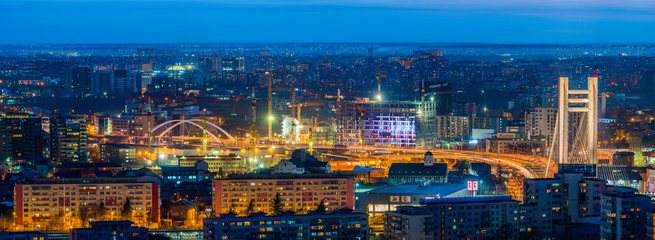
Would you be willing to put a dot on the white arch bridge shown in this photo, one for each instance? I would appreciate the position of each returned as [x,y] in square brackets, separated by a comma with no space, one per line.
[194,122]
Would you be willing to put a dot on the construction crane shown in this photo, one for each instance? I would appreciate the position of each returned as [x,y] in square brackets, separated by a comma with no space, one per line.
[293,95]
[269,75]
[338,96]
[379,78]
[299,107]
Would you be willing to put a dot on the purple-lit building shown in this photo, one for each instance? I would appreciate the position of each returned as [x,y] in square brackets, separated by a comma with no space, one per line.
[383,123]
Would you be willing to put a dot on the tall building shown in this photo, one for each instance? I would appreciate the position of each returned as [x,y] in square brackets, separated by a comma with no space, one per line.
[561,200]
[78,80]
[455,218]
[298,192]
[635,140]
[116,82]
[381,123]
[102,124]
[21,137]
[68,138]
[141,123]
[450,128]
[230,64]
[339,224]
[38,202]
[623,215]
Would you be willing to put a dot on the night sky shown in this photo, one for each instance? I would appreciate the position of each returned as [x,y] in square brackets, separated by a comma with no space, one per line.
[239,21]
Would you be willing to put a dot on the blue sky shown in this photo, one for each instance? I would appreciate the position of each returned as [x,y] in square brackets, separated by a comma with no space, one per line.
[219,21]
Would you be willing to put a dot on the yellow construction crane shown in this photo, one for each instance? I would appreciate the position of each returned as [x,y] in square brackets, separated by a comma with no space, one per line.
[269,75]
[293,95]
[299,107]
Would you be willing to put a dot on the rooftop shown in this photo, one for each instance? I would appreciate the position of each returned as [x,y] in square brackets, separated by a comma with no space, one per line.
[444,189]
[467,200]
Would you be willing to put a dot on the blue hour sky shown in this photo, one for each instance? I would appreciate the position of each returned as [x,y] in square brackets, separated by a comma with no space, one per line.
[237,21]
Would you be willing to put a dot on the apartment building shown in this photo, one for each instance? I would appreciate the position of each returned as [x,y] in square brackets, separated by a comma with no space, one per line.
[339,224]
[38,202]
[494,217]
[297,192]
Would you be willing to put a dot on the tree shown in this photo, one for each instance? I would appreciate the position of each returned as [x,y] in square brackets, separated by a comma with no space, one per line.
[100,212]
[127,209]
[84,215]
[251,206]
[277,204]
[321,206]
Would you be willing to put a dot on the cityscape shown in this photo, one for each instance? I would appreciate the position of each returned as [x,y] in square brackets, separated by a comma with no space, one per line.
[280,135]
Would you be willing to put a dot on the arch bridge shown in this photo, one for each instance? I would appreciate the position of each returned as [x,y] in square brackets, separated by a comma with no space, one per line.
[194,122]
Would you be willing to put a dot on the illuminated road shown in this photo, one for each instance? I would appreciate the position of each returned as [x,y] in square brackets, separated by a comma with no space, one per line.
[528,166]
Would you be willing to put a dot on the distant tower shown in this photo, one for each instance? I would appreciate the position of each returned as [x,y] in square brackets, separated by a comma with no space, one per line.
[636,137]
[428,160]
[590,107]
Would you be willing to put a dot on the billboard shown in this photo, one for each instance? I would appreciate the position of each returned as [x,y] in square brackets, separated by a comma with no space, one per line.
[472,185]
[506,135]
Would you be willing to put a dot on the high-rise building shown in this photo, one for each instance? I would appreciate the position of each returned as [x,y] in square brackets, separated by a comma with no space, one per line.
[118,82]
[561,200]
[229,64]
[68,138]
[450,128]
[102,124]
[297,192]
[376,123]
[78,80]
[623,215]
[21,137]
[339,224]
[455,218]
[635,140]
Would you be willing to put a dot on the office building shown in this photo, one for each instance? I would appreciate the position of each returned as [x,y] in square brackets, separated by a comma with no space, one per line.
[338,224]
[455,218]
[376,123]
[110,230]
[141,123]
[68,138]
[230,64]
[452,128]
[102,124]
[297,192]
[121,125]
[21,137]
[38,202]
[635,141]
[117,153]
